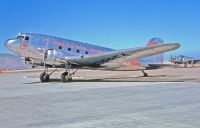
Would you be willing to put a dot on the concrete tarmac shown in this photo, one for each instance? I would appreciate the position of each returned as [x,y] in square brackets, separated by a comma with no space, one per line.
[115,102]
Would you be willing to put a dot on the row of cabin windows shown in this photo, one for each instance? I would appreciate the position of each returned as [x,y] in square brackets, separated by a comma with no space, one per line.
[69,49]
[60,47]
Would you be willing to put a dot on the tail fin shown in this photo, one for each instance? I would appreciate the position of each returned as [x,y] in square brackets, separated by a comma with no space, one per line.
[157,58]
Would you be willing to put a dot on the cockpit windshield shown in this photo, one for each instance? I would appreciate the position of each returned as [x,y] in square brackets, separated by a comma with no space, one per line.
[23,38]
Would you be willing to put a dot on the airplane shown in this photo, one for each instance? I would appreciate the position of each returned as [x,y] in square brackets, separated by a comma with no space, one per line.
[54,52]
[181,59]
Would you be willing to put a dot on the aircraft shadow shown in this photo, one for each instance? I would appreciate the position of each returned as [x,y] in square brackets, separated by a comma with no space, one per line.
[115,79]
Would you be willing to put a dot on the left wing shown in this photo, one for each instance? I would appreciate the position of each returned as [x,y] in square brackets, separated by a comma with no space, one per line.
[127,54]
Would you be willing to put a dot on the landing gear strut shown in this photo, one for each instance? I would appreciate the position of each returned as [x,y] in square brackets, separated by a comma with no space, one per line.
[144,73]
[65,77]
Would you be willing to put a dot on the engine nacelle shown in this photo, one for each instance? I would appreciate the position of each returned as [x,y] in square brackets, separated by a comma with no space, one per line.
[54,57]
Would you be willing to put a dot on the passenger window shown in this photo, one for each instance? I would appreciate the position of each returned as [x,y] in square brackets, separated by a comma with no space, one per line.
[78,51]
[60,47]
[86,52]
[69,49]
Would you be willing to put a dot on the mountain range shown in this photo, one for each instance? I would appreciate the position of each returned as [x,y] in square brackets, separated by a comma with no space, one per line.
[11,62]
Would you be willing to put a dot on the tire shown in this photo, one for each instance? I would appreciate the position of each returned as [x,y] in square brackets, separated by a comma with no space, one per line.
[70,79]
[47,78]
[44,77]
[63,77]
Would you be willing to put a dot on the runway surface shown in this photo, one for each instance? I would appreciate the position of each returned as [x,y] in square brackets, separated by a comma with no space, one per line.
[27,103]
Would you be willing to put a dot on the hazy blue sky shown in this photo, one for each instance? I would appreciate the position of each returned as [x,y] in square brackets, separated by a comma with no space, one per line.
[111,23]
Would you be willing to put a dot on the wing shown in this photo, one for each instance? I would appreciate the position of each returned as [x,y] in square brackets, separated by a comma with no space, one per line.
[128,54]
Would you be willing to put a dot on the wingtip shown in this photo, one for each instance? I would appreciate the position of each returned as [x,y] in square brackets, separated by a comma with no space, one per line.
[177,45]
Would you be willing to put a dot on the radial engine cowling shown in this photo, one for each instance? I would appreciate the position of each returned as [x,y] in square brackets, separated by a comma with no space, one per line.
[54,57]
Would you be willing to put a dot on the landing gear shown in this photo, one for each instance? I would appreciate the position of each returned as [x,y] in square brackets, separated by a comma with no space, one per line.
[67,75]
[44,77]
[144,73]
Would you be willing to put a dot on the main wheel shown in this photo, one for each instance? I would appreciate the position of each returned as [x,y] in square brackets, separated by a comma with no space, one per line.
[44,77]
[70,79]
[63,77]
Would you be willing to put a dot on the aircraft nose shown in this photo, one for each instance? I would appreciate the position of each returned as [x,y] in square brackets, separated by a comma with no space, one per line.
[9,43]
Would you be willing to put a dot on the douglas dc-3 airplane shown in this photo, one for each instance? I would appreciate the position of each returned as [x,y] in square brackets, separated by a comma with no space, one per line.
[54,52]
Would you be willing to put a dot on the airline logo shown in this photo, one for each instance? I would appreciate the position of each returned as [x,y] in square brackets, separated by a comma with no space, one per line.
[24,45]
